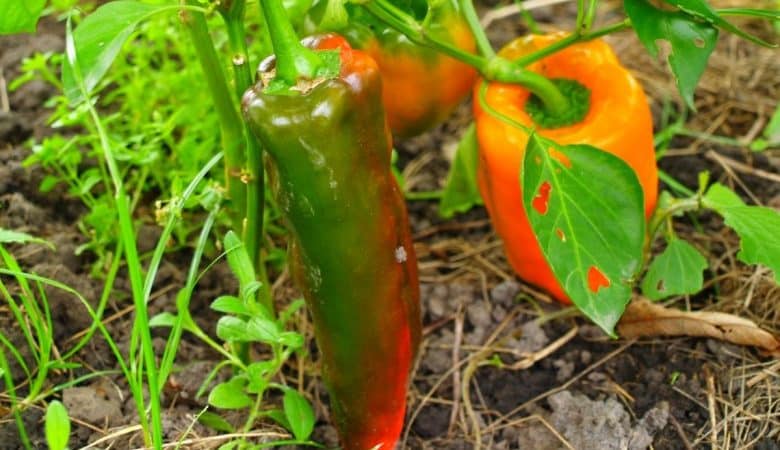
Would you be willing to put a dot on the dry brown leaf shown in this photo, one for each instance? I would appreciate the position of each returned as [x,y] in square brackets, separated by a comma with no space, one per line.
[644,318]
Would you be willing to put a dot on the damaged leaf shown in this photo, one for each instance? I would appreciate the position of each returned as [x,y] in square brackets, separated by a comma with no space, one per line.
[644,319]
[691,40]
[701,10]
[586,209]
[676,271]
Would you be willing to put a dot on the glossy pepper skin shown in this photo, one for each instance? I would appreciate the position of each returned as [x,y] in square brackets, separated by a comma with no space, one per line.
[618,121]
[350,247]
[421,86]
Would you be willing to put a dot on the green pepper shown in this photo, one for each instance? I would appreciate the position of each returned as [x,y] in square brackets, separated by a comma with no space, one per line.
[350,249]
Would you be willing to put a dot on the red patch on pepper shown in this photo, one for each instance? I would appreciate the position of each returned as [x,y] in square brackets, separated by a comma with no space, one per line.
[540,201]
[597,279]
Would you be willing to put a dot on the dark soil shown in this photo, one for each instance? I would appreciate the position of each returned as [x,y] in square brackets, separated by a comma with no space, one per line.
[593,392]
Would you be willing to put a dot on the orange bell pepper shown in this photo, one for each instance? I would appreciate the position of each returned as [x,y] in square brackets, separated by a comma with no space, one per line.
[618,121]
[421,86]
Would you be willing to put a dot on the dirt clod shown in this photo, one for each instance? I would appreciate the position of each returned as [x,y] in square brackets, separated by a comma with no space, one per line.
[97,404]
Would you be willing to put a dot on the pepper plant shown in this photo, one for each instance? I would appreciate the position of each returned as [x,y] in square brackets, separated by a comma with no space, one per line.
[561,154]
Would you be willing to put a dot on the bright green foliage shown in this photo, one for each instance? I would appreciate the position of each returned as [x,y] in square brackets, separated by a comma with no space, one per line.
[20,16]
[230,394]
[771,135]
[17,237]
[299,414]
[248,322]
[586,209]
[461,192]
[676,271]
[215,422]
[758,227]
[98,40]
[57,426]
[161,127]
[692,41]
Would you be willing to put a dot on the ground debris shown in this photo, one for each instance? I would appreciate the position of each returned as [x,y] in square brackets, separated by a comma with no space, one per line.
[586,424]
[644,318]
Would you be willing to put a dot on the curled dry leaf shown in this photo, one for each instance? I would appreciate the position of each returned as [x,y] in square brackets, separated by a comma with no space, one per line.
[644,318]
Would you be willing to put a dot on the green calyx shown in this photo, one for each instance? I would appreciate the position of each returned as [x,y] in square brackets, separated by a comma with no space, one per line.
[578,97]
[329,67]
[294,61]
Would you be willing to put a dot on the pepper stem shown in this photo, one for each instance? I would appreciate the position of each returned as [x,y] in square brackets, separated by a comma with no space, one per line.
[470,14]
[490,66]
[553,101]
[293,60]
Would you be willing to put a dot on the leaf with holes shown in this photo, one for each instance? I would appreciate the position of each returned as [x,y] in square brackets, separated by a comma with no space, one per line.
[758,227]
[676,271]
[702,11]
[586,208]
[692,41]
[461,192]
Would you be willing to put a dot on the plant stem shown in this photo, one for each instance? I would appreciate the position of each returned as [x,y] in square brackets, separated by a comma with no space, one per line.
[483,44]
[252,226]
[507,71]
[493,68]
[571,40]
[580,20]
[590,15]
[293,60]
[127,237]
[231,126]
[405,24]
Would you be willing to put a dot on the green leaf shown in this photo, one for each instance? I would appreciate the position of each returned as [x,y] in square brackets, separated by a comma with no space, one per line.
[291,339]
[164,319]
[758,227]
[215,422]
[232,329]
[98,40]
[249,291]
[238,259]
[230,305]
[57,426]
[17,237]
[230,395]
[278,416]
[257,329]
[291,309]
[586,209]
[701,10]
[263,330]
[676,271]
[771,133]
[259,374]
[48,183]
[299,414]
[772,130]
[691,40]
[461,192]
[20,16]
